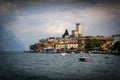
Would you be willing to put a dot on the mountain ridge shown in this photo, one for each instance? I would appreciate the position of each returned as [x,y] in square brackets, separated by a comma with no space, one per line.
[8,41]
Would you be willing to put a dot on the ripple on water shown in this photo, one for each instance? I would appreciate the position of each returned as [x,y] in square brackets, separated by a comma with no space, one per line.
[33,66]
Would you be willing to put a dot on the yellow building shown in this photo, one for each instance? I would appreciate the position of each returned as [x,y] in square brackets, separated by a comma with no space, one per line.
[67,44]
[60,46]
[72,45]
[104,41]
[75,33]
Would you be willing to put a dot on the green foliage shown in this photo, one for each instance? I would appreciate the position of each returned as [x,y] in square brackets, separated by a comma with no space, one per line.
[32,47]
[96,43]
[117,46]
[92,44]
[65,34]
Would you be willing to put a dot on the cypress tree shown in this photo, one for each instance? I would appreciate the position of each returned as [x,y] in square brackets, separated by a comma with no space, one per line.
[65,34]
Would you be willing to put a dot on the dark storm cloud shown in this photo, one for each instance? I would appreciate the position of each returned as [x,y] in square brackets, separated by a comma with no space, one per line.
[32,2]
[109,1]
[7,11]
[49,0]
[70,1]
[8,8]
[73,3]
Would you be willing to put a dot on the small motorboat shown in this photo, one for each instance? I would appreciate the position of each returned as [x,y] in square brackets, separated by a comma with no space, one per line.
[91,54]
[63,54]
[83,59]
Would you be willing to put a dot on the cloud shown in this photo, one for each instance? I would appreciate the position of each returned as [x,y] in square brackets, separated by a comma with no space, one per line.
[7,11]
[101,12]
[107,2]
[6,7]
[21,18]
[34,19]
[64,17]
[36,1]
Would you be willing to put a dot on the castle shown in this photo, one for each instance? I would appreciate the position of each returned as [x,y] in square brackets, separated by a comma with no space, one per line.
[75,33]
[74,41]
[78,31]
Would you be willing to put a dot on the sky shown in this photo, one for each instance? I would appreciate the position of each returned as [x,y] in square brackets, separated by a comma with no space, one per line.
[31,20]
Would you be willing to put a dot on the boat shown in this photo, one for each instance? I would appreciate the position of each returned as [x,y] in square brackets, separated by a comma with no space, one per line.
[83,59]
[64,54]
[91,54]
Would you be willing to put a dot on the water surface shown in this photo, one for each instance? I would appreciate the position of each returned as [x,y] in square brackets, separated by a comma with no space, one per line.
[41,66]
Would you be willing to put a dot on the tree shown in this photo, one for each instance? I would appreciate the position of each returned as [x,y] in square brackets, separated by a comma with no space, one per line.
[65,34]
[92,44]
[32,47]
[96,43]
[117,46]
[88,44]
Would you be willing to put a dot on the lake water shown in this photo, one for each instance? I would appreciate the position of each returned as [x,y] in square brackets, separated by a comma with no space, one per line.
[41,66]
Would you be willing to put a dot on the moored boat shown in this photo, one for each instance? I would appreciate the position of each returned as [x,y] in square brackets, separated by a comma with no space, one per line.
[63,54]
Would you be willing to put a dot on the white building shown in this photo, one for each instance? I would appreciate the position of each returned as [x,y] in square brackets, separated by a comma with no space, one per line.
[115,38]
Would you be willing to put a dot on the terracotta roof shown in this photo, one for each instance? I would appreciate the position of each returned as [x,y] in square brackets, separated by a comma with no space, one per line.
[98,38]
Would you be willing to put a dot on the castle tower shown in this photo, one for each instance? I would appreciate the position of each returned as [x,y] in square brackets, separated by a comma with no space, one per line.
[78,31]
[79,28]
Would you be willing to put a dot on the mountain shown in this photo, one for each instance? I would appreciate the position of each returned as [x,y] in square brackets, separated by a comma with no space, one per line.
[8,41]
